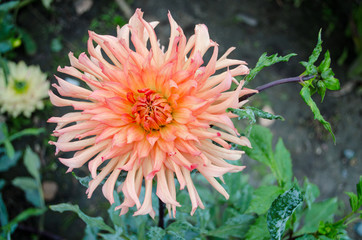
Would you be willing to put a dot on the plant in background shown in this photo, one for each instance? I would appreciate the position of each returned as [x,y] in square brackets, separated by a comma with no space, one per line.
[24,90]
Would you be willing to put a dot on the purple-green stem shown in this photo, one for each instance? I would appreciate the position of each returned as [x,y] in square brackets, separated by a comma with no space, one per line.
[276,83]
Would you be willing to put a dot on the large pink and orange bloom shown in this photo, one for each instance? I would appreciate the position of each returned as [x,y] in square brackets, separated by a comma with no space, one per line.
[155,114]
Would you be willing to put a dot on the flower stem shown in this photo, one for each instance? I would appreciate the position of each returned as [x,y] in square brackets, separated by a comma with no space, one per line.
[161,213]
[275,83]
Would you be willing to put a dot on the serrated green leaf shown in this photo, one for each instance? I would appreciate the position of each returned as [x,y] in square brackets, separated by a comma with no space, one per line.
[237,184]
[311,192]
[280,211]
[259,230]
[6,162]
[305,93]
[155,233]
[244,114]
[327,74]
[251,113]
[262,114]
[83,180]
[263,198]
[332,83]
[321,88]
[266,61]
[326,63]
[179,229]
[261,140]
[319,211]
[32,163]
[233,227]
[317,50]
[91,221]
[353,201]
[283,164]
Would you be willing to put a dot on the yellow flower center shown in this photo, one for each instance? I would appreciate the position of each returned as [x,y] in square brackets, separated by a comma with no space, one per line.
[20,86]
[150,109]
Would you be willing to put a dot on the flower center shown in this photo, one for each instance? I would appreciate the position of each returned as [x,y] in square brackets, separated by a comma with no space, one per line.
[20,86]
[151,110]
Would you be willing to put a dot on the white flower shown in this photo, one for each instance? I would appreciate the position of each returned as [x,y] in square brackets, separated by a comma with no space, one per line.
[26,87]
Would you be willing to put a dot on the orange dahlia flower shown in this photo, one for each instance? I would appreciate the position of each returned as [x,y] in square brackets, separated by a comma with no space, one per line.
[152,113]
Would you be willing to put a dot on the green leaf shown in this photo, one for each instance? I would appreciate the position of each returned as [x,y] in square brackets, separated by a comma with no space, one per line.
[179,228]
[32,163]
[31,188]
[3,132]
[6,162]
[114,236]
[306,95]
[83,180]
[114,215]
[242,191]
[10,151]
[332,83]
[359,190]
[317,50]
[25,183]
[243,114]
[320,211]
[280,211]
[307,237]
[155,233]
[29,43]
[3,212]
[252,112]
[56,45]
[91,221]
[266,61]
[259,230]
[90,233]
[46,3]
[6,7]
[30,212]
[27,132]
[311,192]
[2,183]
[263,198]
[261,114]
[233,227]
[321,88]
[326,63]
[283,164]
[261,140]
[353,201]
